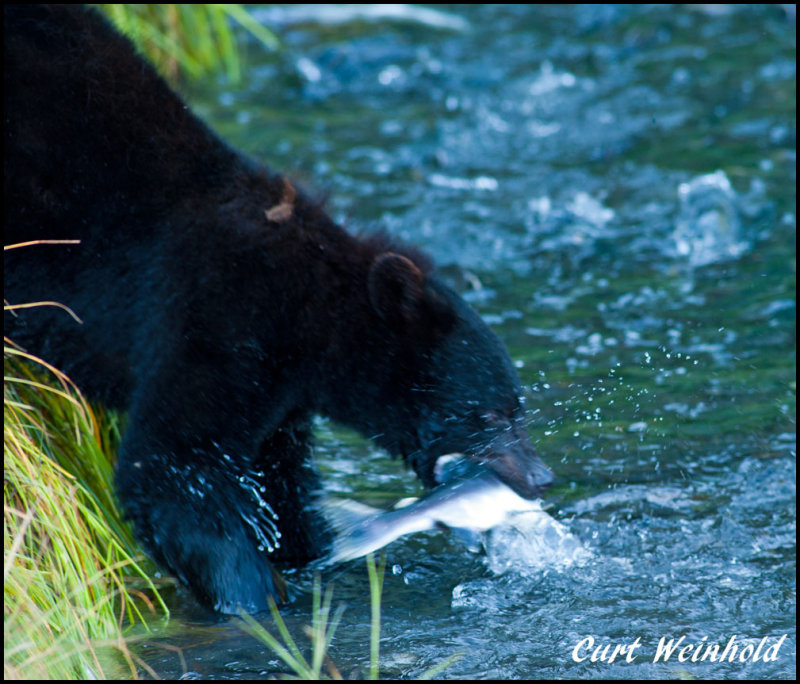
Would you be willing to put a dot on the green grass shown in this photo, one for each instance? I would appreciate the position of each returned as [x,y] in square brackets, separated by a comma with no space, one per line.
[323,626]
[321,632]
[322,629]
[189,40]
[73,581]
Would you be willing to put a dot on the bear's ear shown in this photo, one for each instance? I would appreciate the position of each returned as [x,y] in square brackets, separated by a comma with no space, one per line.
[396,289]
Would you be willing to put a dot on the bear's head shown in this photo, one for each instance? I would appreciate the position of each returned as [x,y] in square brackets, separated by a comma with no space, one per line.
[449,383]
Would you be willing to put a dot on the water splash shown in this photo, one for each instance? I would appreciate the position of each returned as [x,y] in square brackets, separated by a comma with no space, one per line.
[532,542]
[708,228]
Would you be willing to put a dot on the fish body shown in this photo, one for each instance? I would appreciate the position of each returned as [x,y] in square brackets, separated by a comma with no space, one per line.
[470,499]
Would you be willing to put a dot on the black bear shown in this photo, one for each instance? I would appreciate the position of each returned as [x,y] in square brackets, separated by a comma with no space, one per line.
[222,308]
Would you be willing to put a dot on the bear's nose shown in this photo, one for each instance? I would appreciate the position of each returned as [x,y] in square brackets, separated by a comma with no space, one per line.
[515,461]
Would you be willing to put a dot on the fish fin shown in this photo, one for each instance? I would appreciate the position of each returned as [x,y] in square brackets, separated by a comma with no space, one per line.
[344,514]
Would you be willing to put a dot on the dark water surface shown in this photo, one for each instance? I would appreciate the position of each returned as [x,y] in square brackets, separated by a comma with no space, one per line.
[613,188]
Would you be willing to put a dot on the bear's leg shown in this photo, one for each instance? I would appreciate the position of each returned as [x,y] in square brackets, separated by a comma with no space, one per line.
[204,522]
[294,488]
[218,512]
[188,476]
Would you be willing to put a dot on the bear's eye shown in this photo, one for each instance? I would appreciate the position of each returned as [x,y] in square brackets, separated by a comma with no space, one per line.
[495,419]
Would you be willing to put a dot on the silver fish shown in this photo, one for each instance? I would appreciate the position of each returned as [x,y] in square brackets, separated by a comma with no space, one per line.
[471,499]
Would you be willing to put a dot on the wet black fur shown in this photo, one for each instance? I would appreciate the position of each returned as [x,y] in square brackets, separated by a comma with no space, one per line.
[220,331]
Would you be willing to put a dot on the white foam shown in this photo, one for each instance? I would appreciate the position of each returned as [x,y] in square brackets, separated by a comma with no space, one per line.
[530,542]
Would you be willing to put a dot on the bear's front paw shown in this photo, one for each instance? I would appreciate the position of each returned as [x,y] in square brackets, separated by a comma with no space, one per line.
[209,527]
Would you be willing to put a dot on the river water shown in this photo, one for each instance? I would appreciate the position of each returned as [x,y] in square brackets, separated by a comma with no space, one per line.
[613,189]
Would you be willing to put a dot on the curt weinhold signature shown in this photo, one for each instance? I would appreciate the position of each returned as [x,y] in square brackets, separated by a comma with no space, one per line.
[697,651]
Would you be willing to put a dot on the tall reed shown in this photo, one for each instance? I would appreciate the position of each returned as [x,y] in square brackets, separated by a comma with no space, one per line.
[72,575]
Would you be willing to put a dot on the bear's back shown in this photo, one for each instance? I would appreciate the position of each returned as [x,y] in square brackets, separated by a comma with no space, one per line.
[93,136]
